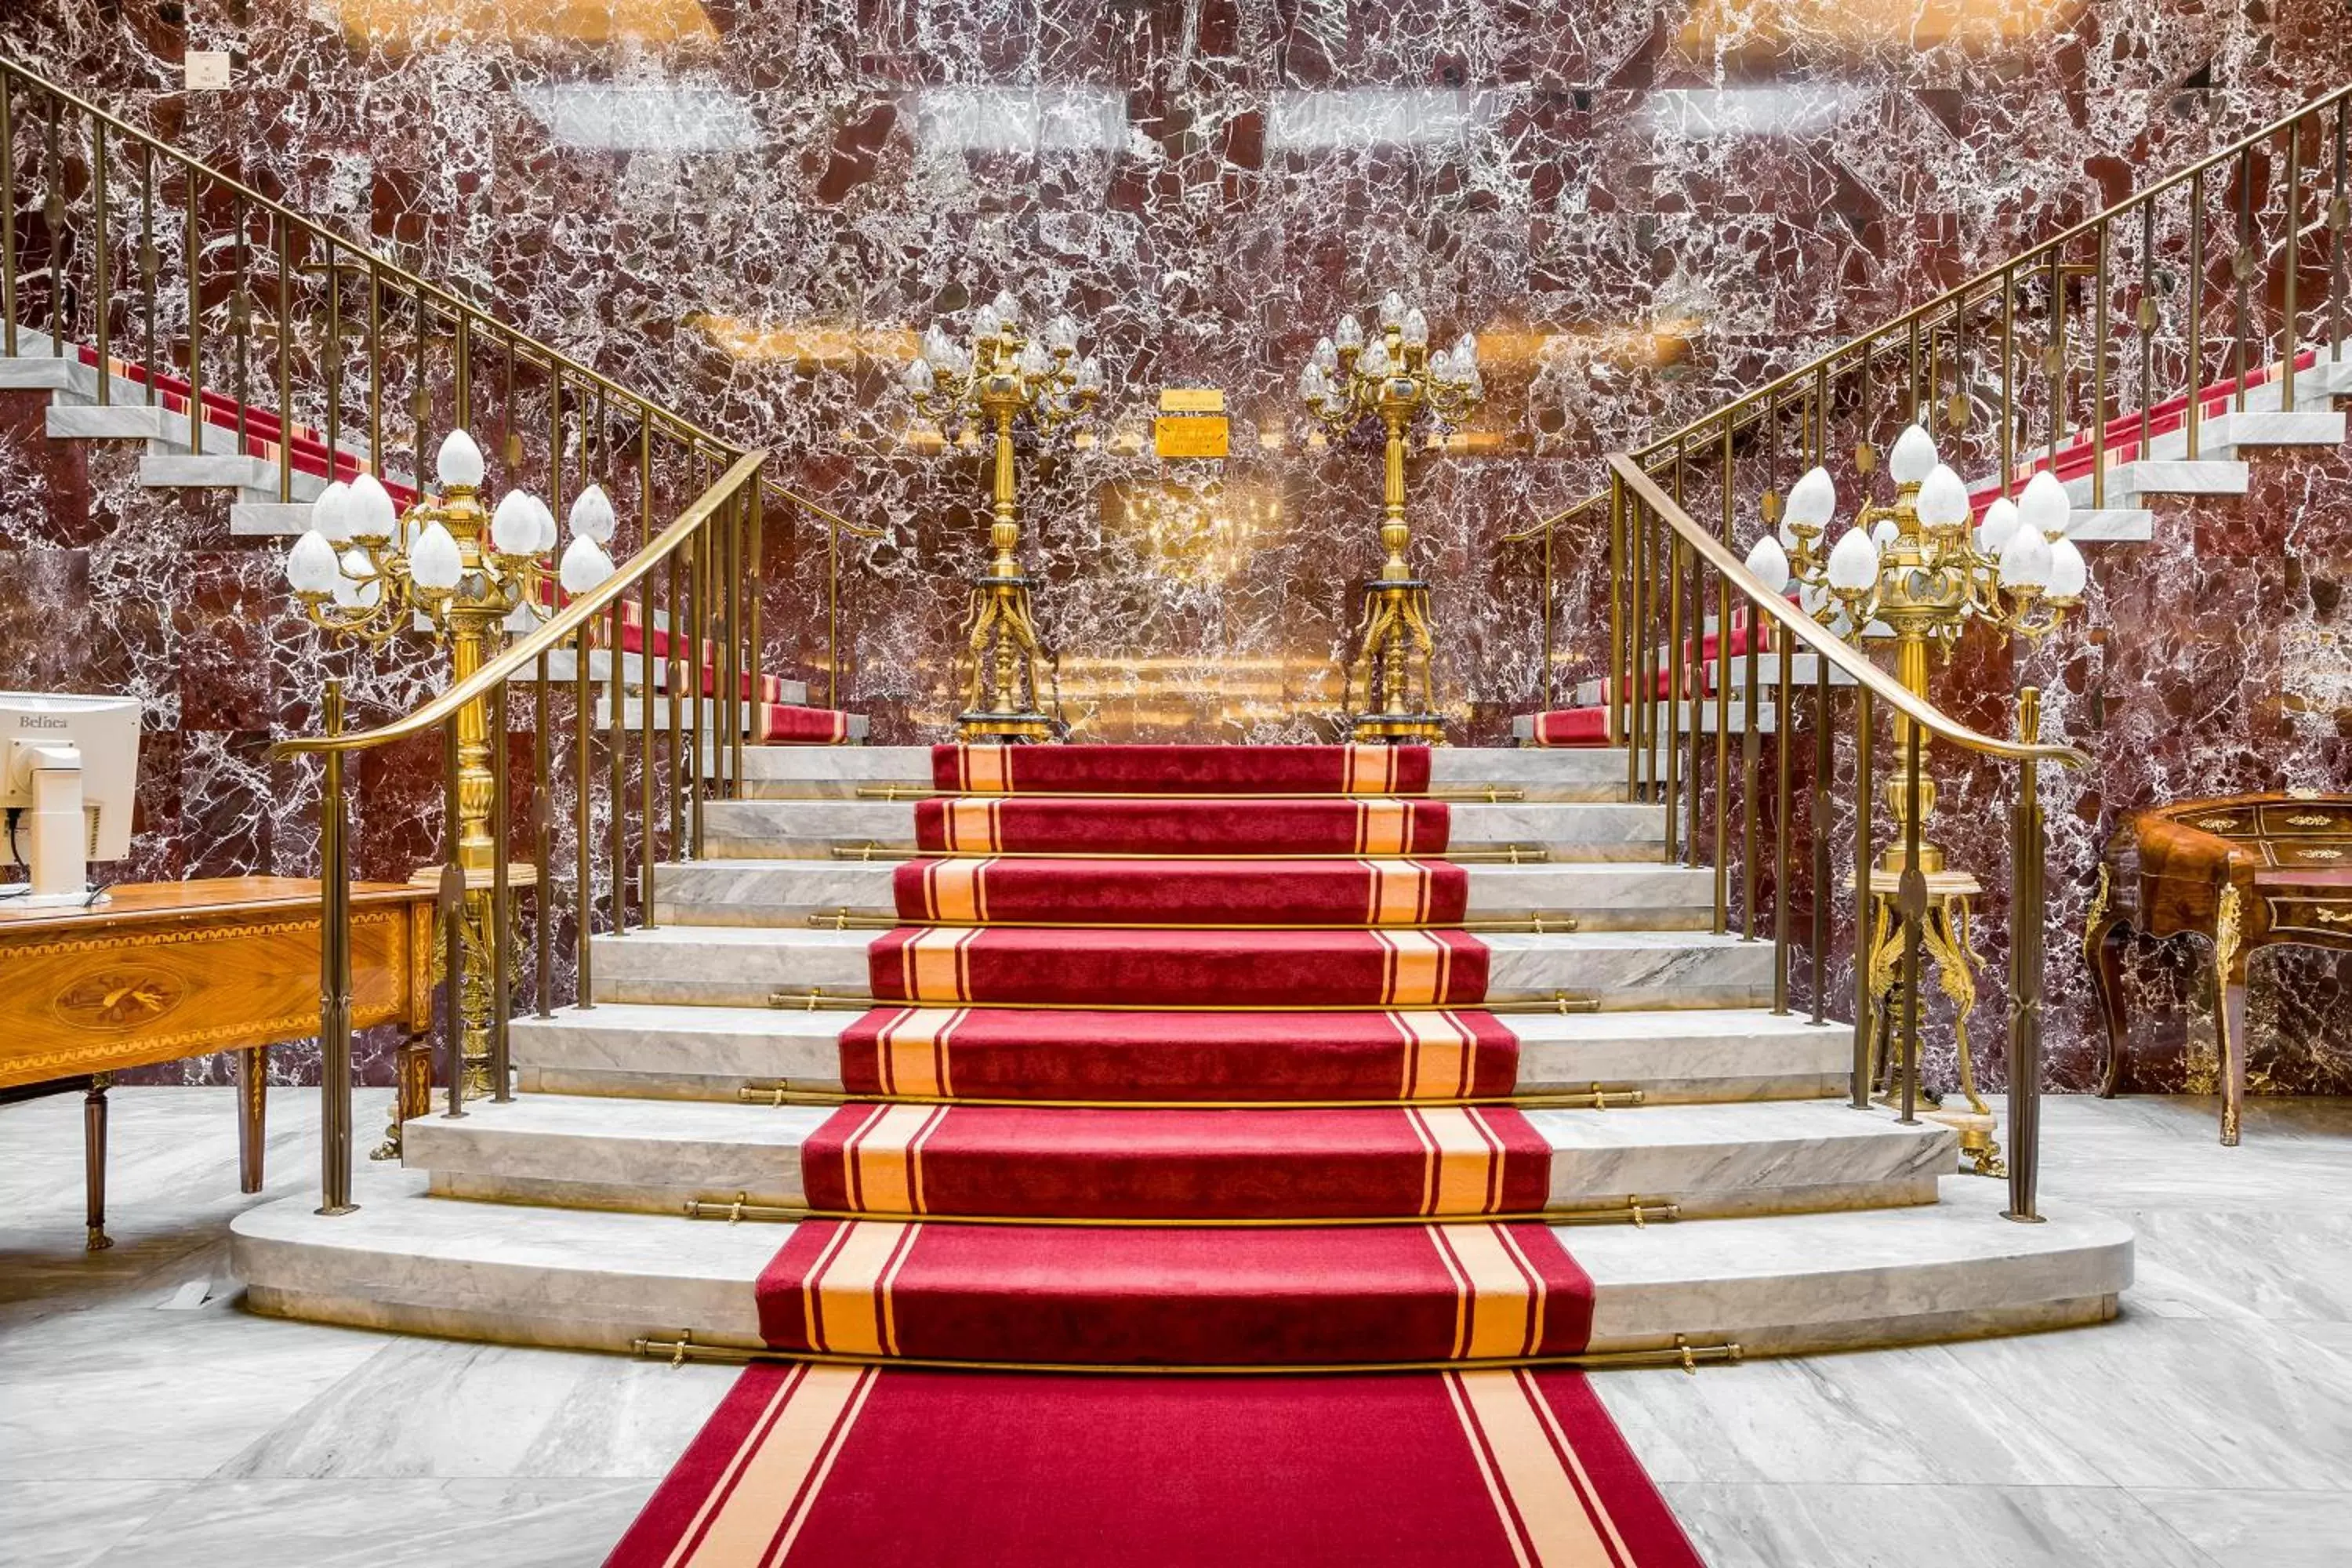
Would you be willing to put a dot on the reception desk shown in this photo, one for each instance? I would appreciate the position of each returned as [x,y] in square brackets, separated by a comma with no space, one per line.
[168,970]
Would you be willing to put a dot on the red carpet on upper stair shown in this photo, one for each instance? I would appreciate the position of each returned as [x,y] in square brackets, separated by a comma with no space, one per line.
[1179,827]
[1011,1054]
[1099,968]
[901,1468]
[1181,770]
[1190,892]
[1173,1295]
[1018,1161]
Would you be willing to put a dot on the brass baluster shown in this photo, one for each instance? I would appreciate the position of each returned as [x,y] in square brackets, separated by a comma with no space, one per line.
[1912,902]
[555,449]
[1783,829]
[332,280]
[8,210]
[1635,670]
[334,977]
[2008,379]
[754,588]
[54,211]
[1864,739]
[2147,324]
[2289,328]
[1672,716]
[2053,354]
[1612,692]
[542,826]
[193,255]
[420,397]
[674,655]
[375,369]
[462,346]
[1721,667]
[1914,348]
[1819,825]
[501,906]
[1751,735]
[1687,663]
[147,262]
[101,292]
[698,591]
[2195,309]
[2027,913]
[647,849]
[728,717]
[583,893]
[2337,219]
[2244,268]
[453,925]
[617,756]
[1544,683]
[240,322]
[2099,374]
[285,360]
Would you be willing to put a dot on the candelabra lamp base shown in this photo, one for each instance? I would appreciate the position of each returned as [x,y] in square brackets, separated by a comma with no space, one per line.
[477,1000]
[1005,680]
[1392,660]
[1944,943]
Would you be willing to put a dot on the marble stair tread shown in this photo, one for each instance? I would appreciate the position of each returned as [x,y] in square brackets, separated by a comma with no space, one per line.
[742,966]
[1594,773]
[786,891]
[2164,477]
[258,476]
[1675,1055]
[814,829]
[1803,670]
[26,371]
[633,719]
[598,1152]
[562,666]
[1735,722]
[596,1279]
[1855,1277]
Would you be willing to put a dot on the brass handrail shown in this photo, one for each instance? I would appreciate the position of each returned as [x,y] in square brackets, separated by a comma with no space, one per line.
[1960,294]
[549,635]
[448,303]
[1882,687]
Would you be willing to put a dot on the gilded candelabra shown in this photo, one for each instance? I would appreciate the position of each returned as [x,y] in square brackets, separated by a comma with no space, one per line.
[1001,378]
[366,572]
[1392,378]
[1918,569]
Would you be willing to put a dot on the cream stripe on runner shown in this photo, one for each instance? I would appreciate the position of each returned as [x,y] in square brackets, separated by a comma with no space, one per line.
[914,1051]
[849,1294]
[1542,1504]
[1503,1310]
[886,1159]
[1463,1158]
[786,1463]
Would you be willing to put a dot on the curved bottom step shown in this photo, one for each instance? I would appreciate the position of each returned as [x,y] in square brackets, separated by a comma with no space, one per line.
[593,1279]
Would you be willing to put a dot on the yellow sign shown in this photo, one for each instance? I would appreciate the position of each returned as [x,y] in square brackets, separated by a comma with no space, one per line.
[1191,400]
[1190,435]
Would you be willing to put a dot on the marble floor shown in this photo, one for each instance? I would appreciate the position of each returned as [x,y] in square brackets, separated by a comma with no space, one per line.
[145,1418]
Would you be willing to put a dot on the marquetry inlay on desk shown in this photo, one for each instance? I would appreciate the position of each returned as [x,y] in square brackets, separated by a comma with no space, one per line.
[168,970]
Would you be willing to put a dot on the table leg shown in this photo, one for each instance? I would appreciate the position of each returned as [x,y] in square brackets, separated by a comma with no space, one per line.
[2104,946]
[252,1093]
[94,1134]
[2230,1010]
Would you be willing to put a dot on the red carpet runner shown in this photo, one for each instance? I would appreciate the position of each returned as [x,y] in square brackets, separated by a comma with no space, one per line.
[906,1469]
[1235,1034]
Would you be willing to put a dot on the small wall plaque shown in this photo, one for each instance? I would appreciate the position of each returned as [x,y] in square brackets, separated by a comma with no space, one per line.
[1190,435]
[208,70]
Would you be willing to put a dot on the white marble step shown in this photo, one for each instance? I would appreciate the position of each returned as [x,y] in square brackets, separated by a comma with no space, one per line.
[2126,482]
[599,1280]
[1594,774]
[1523,726]
[1804,669]
[562,666]
[597,1152]
[633,720]
[786,891]
[1565,830]
[742,966]
[1677,1056]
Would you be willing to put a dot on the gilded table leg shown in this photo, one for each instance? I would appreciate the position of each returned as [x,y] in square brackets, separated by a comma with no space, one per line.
[413,1096]
[252,1104]
[2230,1011]
[93,1147]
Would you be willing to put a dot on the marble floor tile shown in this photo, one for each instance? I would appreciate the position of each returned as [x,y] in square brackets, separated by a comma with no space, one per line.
[67,1524]
[2260,1529]
[380,1523]
[1927,1527]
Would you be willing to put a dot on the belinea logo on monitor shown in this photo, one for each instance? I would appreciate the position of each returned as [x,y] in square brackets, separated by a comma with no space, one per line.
[40,721]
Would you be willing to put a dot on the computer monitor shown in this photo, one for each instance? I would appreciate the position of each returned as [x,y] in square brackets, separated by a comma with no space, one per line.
[69,773]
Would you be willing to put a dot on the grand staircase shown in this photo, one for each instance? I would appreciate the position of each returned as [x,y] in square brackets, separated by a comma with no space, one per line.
[1177,1145]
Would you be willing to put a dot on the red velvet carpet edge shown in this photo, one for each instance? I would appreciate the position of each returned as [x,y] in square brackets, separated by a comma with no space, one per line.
[913,1468]
[974,825]
[1201,890]
[1181,770]
[1172,969]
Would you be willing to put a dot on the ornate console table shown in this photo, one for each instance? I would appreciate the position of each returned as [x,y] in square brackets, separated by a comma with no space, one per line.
[2243,871]
[168,970]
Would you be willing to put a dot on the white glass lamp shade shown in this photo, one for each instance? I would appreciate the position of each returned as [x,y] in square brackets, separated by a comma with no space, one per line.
[2000,522]
[1062,336]
[1812,500]
[2043,506]
[1885,533]
[434,562]
[1375,360]
[919,378]
[1465,350]
[1348,334]
[1035,360]
[1090,376]
[311,565]
[330,514]
[985,322]
[1391,309]
[591,515]
[1312,384]
[1008,309]
[2025,560]
[586,566]
[1416,328]
[1854,562]
[1326,355]
[1913,457]
[2069,574]
[514,525]
[357,587]
[1475,383]
[368,510]
[459,461]
[1943,499]
[1441,365]
[1769,562]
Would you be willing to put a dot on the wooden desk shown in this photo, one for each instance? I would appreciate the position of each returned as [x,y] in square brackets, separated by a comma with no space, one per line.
[169,970]
[2243,871]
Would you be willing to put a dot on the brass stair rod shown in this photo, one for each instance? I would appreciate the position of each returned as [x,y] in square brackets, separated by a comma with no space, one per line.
[1681,1353]
[1634,1211]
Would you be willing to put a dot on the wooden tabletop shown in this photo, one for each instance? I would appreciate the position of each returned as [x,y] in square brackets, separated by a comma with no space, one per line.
[205,897]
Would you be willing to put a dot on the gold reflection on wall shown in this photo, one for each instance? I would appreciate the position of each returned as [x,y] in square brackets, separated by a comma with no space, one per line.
[1202,535]
[657,24]
[1738,27]
[811,344]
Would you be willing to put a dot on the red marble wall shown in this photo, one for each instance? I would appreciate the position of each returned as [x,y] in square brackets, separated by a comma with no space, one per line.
[1642,208]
